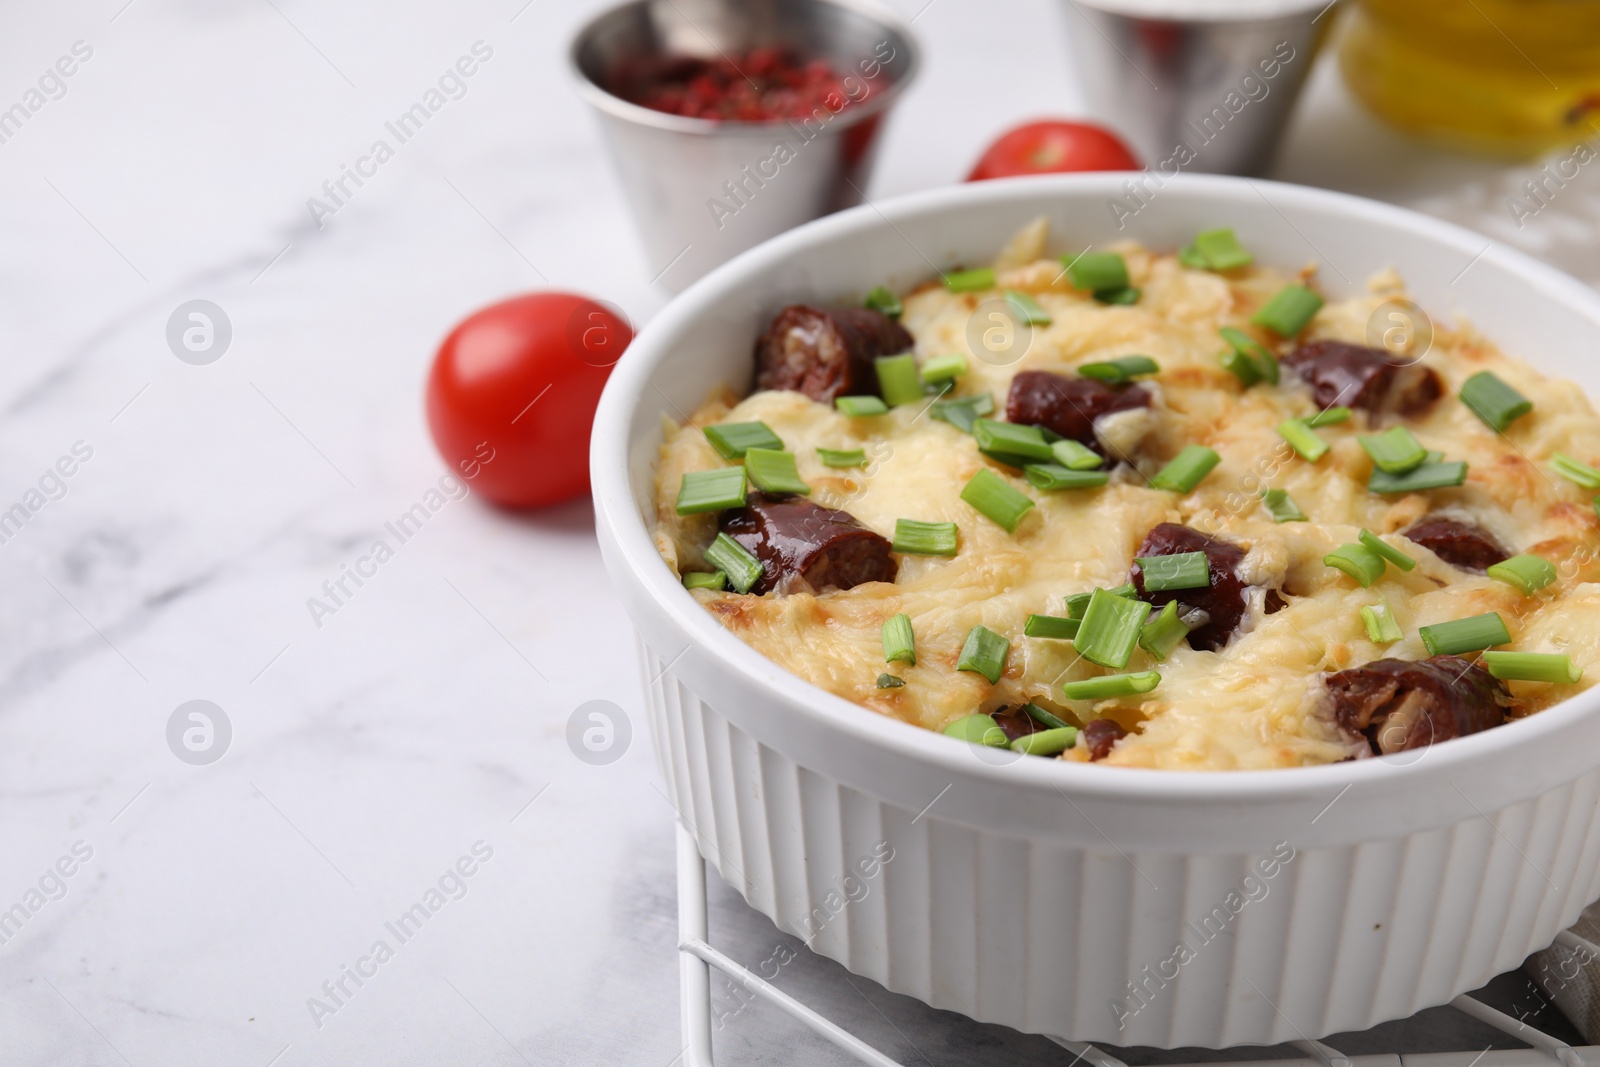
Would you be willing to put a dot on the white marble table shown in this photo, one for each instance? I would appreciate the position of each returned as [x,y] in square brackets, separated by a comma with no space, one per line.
[210,909]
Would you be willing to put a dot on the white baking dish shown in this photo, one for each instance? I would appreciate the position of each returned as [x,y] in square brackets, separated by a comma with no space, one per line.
[1043,894]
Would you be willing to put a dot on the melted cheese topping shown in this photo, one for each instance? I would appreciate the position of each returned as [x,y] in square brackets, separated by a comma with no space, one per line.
[1254,704]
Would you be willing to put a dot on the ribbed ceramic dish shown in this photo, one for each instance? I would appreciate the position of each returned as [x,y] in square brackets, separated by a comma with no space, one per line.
[1102,904]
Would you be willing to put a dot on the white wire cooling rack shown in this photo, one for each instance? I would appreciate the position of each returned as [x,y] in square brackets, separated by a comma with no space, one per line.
[697,957]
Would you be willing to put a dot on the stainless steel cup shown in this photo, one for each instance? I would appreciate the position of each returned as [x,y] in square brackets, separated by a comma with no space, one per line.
[703,190]
[1197,86]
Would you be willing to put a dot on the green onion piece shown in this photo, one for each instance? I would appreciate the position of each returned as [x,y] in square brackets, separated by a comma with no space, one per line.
[842,457]
[1046,742]
[1241,366]
[1110,629]
[717,490]
[1028,308]
[1328,417]
[1186,469]
[899,644]
[1190,256]
[1121,369]
[1395,450]
[1382,627]
[1574,471]
[705,580]
[772,471]
[984,653]
[1287,313]
[997,499]
[924,538]
[898,379]
[1358,561]
[889,681]
[1053,627]
[1043,717]
[1493,401]
[732,438]
[969,281]
[1428,475]
[1266,362]
[1111,685]
[742,568]
[1054,476]
[1163,632]
[1075,456]
[1386,550]
[964,412]
[1532,667]
[1096,271]
[1222,250]
[1124,296]
[1180,570]
[978,730]
[1078,603]
[1465,635]
[1011,439]
[1281,506]
[883,299]
[857,406]
[1303,439]
[1528,573]
[944,368]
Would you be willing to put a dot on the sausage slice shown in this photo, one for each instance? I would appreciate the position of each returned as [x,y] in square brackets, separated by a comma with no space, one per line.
[826,354]
[1225,600]
[1460,544]
[1398,704]
[1068,406]
[1343,374]
[801,544]
[1102,735]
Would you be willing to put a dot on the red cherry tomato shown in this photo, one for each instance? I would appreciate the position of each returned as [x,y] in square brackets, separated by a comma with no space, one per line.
[1051,148]
[512,394]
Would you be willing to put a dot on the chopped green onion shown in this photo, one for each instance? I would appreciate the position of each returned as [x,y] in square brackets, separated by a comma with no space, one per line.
[1127,294]
[1078,603]
[1110,629]
[1281,506]
[1163,632]
[1386,550]
[898,379]
[944,368]
[883,299]
[1190,256]
[1358,561]
[1382,627]
[1532,667]
[1011,439]
[969,281]
[1493,401]
[1528,573]
[1428,475]
[962,413]
[984,653]
[1028,308]
[732,438]
[1266,362]
[1111,685]
[1053,627]
[716,490]
[1574,471]
[978,730]
[1180,570]
[924,538]
[857,406]
[1303,439]
[997,499]
[1221,250]
[705,580]
[772,471]
[899,644]
[1096,271]
[1328,417]
[1394,450]
[1075,456]
[1043,717]
[1054,476]
[842,457]
[1465,635]
[889,681]
[1046,742]
[1241,366]
[1121,369]
[1186,470]
[742,568]
[1287,313]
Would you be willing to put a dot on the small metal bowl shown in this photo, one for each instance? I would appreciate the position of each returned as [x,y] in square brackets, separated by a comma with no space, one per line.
[703,190]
